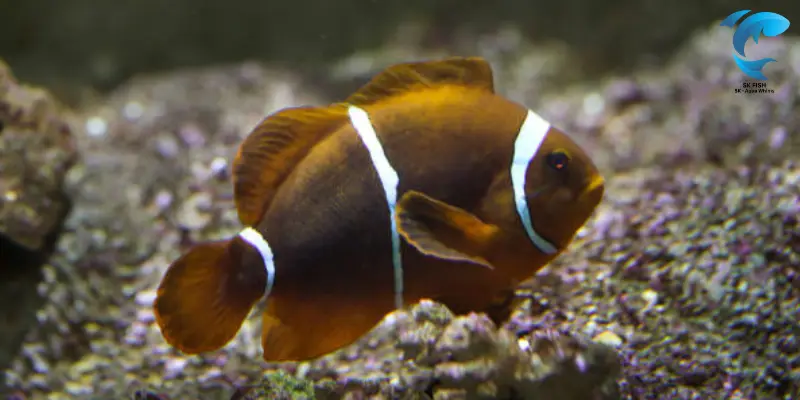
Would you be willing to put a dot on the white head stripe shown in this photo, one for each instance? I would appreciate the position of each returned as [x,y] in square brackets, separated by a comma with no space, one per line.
[389,179]
[255,239]
[530,138]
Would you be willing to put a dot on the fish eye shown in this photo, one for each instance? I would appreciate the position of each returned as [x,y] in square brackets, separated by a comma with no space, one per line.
[558,160]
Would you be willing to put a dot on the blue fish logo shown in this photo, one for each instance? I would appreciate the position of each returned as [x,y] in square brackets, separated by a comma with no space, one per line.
[768,23]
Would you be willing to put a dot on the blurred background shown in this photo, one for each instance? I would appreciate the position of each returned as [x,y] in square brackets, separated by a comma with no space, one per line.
[99,44]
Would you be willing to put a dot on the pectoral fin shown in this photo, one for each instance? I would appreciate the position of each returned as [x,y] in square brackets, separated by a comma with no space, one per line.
[440,230]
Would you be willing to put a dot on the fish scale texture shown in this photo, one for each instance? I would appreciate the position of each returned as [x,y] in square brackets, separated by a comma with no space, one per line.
[684,285]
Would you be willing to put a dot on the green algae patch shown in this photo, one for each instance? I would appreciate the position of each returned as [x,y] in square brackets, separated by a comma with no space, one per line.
[280,385]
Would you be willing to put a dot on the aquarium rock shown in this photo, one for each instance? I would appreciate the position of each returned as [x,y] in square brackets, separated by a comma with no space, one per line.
[427,350]
[36,151]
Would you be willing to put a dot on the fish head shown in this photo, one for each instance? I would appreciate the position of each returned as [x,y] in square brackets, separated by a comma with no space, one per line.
[563,187]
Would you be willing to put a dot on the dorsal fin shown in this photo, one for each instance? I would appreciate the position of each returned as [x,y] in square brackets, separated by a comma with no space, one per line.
[272,150]
[466,71]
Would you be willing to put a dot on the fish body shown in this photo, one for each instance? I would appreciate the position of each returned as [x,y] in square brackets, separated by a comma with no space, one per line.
[422,184]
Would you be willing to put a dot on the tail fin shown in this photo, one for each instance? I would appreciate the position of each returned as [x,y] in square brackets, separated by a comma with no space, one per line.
[207,293]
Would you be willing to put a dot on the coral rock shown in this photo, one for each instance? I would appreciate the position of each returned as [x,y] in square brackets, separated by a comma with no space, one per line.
[36,151]
[426,350]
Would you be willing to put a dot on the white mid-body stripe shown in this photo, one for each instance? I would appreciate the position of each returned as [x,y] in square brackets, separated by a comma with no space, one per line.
[255,239]
[389,181]
[530,138]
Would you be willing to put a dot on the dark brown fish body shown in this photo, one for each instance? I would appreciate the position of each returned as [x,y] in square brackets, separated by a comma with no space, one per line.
[346,255]
[327,222]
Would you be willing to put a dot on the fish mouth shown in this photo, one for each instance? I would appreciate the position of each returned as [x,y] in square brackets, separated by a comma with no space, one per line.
[594,186]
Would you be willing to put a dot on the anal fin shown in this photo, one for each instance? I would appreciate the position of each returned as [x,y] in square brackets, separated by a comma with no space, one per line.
[304,329]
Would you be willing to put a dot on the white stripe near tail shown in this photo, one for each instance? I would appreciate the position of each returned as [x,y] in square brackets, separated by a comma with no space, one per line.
[256,240]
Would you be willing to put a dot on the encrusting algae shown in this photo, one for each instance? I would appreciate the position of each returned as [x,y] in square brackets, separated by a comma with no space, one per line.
[422,184]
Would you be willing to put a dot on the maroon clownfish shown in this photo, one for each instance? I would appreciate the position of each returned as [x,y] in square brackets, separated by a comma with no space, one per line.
[422,184]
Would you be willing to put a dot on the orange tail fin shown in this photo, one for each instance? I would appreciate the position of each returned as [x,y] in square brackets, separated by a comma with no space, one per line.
[207,293]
